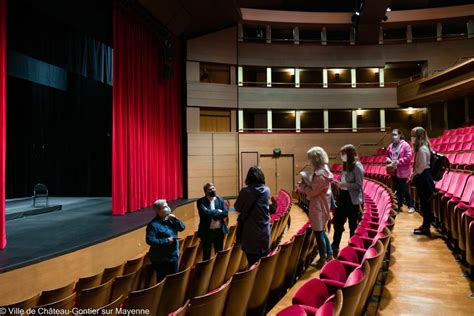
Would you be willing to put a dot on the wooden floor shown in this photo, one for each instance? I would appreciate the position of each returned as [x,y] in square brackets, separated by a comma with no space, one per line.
[424,278]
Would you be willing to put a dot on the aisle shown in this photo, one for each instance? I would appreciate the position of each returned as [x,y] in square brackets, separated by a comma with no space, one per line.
[424,278]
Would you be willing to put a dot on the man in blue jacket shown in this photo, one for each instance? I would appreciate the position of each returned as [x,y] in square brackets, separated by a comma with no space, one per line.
[162,236]
[212,227]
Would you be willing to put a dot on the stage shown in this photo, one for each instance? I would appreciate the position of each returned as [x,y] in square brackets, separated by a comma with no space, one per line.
[66,225]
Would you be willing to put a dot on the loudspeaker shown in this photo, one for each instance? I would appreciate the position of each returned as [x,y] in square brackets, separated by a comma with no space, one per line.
[276,152]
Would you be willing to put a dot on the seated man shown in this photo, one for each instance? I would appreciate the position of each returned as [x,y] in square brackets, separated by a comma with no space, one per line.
[212,227]
[162,236]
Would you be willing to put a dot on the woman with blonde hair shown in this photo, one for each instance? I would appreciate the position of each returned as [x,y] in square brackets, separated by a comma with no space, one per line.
[318,192]
[422,178]
[350,194]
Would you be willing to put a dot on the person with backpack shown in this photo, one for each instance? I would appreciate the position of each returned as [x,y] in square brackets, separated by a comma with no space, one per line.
[399,155]
[422,178]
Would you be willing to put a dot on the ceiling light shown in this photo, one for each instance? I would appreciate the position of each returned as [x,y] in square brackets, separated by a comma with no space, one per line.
[357,13]
[360,112]
[388,9]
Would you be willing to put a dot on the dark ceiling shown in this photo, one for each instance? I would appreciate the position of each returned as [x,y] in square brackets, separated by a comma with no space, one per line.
[343,5]
[191,18]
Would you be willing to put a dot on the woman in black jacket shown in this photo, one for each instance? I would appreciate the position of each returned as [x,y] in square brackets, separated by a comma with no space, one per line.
[253,204]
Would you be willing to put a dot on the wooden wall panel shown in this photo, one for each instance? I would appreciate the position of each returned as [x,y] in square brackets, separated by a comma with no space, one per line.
[212,95]
[212,157]
[225,143]
[298,144]
[199,144]
[192,119]
[440,55]
[218,47]
[292,98]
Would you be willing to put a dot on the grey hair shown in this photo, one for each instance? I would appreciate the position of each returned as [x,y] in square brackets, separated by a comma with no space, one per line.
[318,157]
[159,203]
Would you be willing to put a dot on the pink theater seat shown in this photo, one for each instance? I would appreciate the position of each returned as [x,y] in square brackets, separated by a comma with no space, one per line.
[293,310]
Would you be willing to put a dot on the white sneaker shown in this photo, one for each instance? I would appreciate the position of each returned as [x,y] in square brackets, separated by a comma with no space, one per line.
[411,210]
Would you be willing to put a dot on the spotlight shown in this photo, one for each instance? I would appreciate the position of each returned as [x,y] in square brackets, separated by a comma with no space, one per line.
[389,10]
[357,13]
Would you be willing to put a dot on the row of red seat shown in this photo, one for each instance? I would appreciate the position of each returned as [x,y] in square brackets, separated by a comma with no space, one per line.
[346,283]
[459,131]
[454,212]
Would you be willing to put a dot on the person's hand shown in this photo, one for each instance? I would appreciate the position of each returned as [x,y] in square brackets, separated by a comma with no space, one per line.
[341,185]
[172,215]
[170,240]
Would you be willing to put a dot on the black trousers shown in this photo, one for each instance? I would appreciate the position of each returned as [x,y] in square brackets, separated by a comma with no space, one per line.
[345,210]
[425,188]
[214,238]
[254,257]
[162,269]
[400,185]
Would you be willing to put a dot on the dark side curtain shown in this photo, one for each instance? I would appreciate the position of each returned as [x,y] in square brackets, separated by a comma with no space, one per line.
[3,121]
[146,145]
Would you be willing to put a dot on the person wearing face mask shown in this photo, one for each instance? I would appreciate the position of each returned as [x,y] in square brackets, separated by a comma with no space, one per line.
[350,194]
[318,192]
[212,227]
[422,178]
[162,236]
[399,156]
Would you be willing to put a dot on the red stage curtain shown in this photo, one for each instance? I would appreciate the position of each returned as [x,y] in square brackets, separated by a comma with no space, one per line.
[3,113]
[146,140]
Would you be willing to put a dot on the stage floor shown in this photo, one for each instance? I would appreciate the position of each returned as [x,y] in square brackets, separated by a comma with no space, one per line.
[82,222]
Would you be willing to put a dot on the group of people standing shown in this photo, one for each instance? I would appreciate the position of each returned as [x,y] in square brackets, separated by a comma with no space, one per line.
[253,204]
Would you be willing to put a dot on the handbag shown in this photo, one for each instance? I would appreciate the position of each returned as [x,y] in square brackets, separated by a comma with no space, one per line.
[240,222]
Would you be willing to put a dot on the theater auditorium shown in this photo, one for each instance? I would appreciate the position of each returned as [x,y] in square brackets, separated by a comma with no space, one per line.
[237,157]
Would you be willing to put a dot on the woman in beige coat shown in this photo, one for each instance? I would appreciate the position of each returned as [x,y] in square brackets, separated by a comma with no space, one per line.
[318,192]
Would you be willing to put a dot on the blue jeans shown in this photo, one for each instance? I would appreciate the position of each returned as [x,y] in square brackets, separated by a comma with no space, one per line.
[324,246]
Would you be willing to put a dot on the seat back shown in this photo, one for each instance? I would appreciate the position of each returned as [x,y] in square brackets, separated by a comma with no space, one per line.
[468,189]
[123,285]
[50,296]
[200,277]
[112,272]
[230,239]
[89,282]
[188,257]
[349,254]
[220,269]
[263,281]
[147,277]
[133,265]
[95,297]
[293,260]
[234,261]
[112,308]
[312,293]
[353,288]
[182,311]
[373,257]
[175,285]
[334,270]
[240,291]
[210,304]
[63,305]
[24,304]
[148,298]
[279,275]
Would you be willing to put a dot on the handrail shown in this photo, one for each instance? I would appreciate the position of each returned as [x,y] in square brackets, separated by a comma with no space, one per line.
[373,144]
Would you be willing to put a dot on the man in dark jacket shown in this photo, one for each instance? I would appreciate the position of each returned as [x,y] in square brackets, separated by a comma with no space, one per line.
[162,236]
[212,227]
